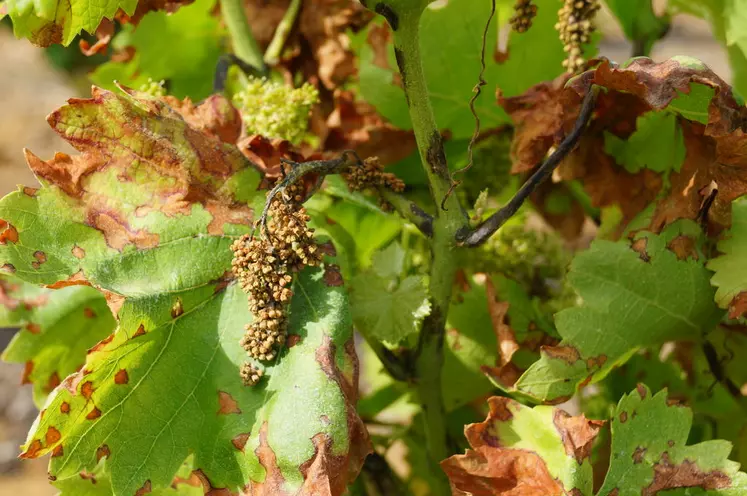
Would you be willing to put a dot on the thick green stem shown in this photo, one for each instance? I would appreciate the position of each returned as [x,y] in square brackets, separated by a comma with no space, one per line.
[404,18]
[275,48]
[244,44]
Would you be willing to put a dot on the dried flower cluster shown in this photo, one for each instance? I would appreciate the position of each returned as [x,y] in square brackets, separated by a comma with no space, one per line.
[265,266]
[575,28]
[371,175]
[524,12]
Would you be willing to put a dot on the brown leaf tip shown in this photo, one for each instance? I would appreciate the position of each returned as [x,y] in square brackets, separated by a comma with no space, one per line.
[578,434]
[121,377]
[641,391]
[28,368]
[227,404]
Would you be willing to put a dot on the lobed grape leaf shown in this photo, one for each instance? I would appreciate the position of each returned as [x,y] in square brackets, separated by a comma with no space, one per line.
[56,329]
[731,268]
[146,214]
[176,47]
[385,305]
[543,450]
[46,22]
[523,450]
[656,290]
[528,59]
[650,452]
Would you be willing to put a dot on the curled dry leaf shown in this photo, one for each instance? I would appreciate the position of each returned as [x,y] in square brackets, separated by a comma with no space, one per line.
[523,451]
[713,135]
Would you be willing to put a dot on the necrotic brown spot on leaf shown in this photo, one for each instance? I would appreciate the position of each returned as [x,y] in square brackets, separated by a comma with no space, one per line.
[33,328]
[93,414]
[687,474]
[274,480]
[78,252]
[87,390]
[332,275]
[638,454]
[101,344]
[102,451]
[87,476]
[227,404]
[177,309]
[57,451]
[10,268]
[239,441]
[29,191]
[40,256]
[33,450]
[8,233]
[65,407]
[641,391]
[52,436]
[28,368]
[89,313]
[121,377]
[623,417]
[140,331]
[565,353]
[144,490]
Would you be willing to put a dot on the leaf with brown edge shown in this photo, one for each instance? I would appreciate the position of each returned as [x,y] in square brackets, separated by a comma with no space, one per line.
[651,455]
[521,451]
[57,327]
[706,112]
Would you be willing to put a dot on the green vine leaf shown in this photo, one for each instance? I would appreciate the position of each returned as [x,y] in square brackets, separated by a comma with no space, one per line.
[176,47]
[146,214]
[384,307]
[650,452]
[54,21]
[656,290]
[56,329]
[731,268]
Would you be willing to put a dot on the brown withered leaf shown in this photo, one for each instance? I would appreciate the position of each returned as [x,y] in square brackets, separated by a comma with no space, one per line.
[716,151]
[265,155]
[508,448]
[215,116]
[354,124]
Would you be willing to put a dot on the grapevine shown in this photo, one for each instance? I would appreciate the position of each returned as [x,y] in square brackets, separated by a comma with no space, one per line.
[377,247]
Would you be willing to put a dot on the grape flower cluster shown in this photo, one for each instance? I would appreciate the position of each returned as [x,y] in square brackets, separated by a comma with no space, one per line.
[275,110]
[524,13]
[264,266]
[575,27]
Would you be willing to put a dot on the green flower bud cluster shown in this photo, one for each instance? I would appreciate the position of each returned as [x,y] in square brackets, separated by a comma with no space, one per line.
[276,110]
[155,89]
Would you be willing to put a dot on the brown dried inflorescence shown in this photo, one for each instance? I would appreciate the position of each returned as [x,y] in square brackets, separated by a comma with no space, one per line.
[575,27]
[265,266]
[524,13]
[371,175]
